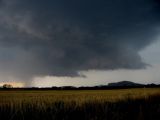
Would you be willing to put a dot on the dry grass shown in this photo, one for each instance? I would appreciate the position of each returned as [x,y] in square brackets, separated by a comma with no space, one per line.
[78,96]
[18,104]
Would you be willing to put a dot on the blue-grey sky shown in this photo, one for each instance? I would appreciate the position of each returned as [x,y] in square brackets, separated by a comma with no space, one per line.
[83,42]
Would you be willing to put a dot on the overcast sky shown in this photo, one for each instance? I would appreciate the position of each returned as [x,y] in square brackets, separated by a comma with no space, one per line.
[80,43]
[149,75]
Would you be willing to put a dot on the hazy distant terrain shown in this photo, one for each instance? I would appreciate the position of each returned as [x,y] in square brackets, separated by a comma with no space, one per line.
[124,84]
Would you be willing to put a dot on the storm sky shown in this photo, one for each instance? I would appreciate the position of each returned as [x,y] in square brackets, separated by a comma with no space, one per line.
[75,39]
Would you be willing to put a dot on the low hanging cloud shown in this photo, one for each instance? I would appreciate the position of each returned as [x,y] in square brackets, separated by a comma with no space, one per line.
[63,37]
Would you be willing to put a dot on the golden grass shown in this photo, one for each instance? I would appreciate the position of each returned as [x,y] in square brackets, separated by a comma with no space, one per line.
[78,96]
[127,104]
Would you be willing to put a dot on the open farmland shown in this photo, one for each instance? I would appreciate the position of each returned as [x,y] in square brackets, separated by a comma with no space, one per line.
[122,104]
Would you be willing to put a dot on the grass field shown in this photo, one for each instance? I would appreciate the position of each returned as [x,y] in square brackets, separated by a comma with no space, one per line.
[122,104]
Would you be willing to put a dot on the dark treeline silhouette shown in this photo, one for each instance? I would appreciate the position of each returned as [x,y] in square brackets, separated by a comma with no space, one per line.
[102,87]
[117,85]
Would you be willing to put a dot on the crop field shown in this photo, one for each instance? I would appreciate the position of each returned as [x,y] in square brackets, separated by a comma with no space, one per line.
[118,104]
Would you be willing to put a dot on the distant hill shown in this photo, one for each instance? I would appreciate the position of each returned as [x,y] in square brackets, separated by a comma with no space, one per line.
[124,84]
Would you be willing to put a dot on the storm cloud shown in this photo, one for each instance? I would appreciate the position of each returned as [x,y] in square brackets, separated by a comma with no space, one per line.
[63,37]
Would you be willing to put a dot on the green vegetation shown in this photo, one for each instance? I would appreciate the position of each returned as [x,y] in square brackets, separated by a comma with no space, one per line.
[122,104]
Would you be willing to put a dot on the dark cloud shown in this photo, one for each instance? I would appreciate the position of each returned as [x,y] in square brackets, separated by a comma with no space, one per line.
[63,37]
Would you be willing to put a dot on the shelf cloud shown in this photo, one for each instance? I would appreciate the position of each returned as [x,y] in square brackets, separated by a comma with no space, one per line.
[63,37]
